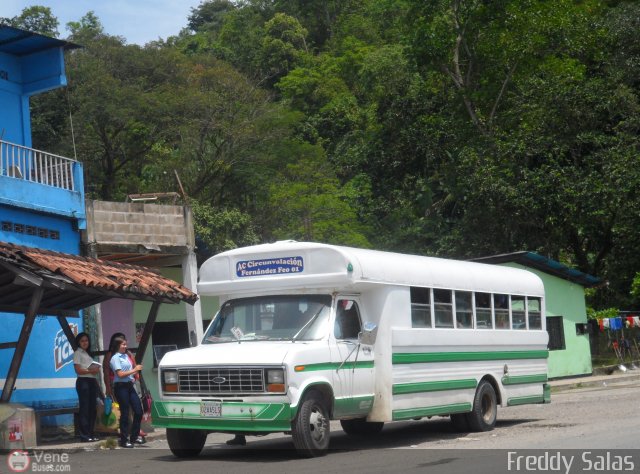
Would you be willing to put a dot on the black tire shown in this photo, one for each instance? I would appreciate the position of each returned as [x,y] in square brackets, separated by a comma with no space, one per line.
[186,443]
[310,429]
[485,408]
[361,427]
[460,422]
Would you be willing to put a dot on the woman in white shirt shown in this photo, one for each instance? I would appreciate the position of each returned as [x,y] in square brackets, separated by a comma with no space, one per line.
[86,386]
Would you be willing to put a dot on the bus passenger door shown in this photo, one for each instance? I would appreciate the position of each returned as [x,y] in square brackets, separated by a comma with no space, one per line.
[353,362]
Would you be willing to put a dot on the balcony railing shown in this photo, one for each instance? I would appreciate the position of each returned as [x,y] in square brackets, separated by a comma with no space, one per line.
[25,163]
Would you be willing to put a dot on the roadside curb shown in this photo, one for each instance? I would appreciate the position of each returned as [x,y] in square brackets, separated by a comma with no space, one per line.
[72,446]
[611,369]
[595,380]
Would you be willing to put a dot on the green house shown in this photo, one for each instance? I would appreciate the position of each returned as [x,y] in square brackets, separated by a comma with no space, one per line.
[569,351]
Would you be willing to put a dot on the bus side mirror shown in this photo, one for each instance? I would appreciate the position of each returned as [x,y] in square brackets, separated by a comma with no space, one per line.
[368,334]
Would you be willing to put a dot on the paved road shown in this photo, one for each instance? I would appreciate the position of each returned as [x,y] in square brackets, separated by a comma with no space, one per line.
[577,421]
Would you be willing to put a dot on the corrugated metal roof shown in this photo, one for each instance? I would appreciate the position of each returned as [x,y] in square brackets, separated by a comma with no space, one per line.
[73,282]
[547,265]
[21,42]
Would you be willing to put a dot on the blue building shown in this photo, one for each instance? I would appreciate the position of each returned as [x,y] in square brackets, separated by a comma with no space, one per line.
[41,205]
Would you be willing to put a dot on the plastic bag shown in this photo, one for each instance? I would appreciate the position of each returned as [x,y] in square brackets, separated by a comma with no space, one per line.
[108,403]
[107,423]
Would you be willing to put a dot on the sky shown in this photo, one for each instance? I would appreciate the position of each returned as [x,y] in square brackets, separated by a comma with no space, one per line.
[138,21]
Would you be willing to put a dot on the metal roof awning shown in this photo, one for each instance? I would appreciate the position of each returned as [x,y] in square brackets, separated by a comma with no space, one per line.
[547,265]
[46,283]
[20,42]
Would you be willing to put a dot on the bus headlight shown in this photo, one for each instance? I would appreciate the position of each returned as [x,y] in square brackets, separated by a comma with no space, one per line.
[275,381]
[170,380]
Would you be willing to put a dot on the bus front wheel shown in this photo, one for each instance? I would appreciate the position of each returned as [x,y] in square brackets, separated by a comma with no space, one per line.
[485,408]
[310,429]
[186,443]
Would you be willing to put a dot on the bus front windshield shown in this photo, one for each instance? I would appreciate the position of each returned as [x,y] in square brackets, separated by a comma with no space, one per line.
[275,318]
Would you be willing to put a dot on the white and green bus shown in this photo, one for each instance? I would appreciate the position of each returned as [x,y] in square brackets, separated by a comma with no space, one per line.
[308,333]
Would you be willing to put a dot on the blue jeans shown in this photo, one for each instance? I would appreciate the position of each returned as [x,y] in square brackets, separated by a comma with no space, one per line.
[87,388]
[128,398]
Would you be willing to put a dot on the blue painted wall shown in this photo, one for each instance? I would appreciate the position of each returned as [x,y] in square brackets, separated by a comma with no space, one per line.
[46,377]
[14,125]
[69,238]
[49,200]
[22,77]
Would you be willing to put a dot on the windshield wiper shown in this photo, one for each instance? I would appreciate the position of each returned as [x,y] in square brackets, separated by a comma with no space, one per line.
[306,326]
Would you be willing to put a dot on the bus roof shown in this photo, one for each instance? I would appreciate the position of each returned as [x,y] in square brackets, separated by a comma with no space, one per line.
[290,265]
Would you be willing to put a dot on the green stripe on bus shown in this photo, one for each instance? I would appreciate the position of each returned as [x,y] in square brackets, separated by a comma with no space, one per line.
[522,379]
[271,418]
[418,357]
[361,364]
[353,405]
[525,400]
[418,387]
[408,413]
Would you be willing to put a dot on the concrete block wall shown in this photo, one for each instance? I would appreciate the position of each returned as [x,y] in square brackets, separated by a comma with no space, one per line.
[137,223]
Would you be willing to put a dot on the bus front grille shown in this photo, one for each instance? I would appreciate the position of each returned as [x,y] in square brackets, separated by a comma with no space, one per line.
[221,380]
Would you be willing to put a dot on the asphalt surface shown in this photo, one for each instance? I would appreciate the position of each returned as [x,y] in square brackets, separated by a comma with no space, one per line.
[590,420]
[557,386]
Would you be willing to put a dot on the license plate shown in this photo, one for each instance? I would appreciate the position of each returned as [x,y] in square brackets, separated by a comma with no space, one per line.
[211,409]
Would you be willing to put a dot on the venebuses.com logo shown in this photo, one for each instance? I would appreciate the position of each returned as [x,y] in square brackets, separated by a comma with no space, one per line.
[40,461]
[18,461]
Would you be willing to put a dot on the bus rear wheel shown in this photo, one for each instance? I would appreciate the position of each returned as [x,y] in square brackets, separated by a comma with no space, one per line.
[186,443]
[360,426]
[485,408]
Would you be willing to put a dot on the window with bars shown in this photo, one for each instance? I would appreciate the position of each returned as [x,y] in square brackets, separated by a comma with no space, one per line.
[555,329]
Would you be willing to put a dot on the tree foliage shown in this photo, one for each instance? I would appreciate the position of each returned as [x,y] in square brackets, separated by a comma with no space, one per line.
[459,128]
[38,19]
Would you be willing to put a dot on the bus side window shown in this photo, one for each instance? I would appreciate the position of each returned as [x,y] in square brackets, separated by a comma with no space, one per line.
[483,311]
[347,320]
[464,311]
[443,308]
[518,319]
[501,308]
[420,307]
[535,319]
